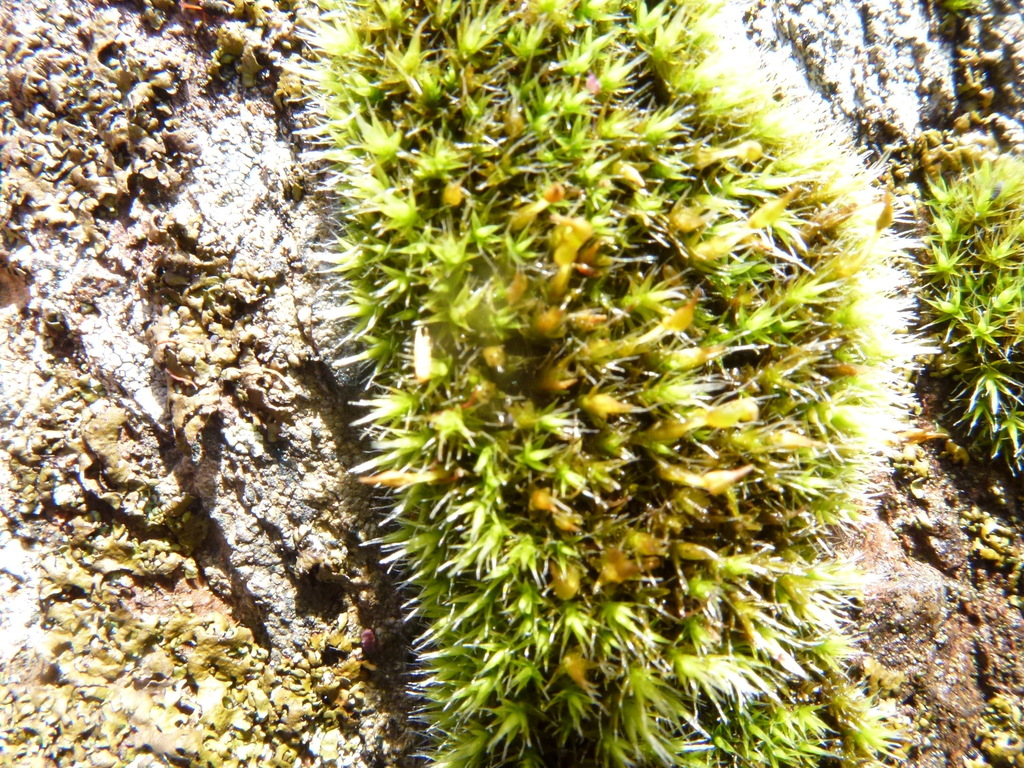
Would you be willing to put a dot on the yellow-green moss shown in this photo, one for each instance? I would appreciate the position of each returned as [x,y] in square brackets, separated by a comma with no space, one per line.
[974,297]
[629,331]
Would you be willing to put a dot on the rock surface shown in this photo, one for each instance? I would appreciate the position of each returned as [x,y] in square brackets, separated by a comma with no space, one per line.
[172,445]
[882,67]
[175,431]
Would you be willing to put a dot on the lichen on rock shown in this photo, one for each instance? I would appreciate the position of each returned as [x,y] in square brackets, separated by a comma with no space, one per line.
[130,676]
[172,591]
[88,124]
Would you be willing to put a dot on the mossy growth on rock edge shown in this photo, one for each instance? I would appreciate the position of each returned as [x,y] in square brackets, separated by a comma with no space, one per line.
[974,293]
[631,330]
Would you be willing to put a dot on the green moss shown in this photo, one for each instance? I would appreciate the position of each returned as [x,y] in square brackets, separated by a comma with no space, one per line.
[974,294]
[629,330]
[962,6]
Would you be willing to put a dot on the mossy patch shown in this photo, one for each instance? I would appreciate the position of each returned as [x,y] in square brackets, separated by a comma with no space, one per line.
[973,277]
[631,338]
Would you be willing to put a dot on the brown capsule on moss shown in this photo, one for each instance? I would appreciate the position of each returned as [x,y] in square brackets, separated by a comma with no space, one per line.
[527,214]
[732,413]
[567,520]
[494,356]
[562,516]
[616,567]
[453,194]
[715,482]
[555,378]
[716,247]
[684,550]
[518,287]
[669,430]
[565,583]
[542,500]
[686,218]
[514,122]
[554,193]
[643,543]
[630,175]
[602,406]
[587,320]
[885,218]
[745,152]
[548,322]
[687,359]
[576,667]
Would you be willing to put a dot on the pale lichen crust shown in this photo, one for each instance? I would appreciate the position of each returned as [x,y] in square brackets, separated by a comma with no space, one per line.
[137,663]
[974,292]
[87,126]
[631,335]
[123,656]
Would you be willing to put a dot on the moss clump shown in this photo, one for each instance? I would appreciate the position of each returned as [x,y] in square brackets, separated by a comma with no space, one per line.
[974,291]
[629,330]
[962,6]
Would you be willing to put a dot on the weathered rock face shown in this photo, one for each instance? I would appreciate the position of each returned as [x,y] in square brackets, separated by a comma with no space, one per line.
[992,66]
[177,511]
[884,69]
[183,556]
